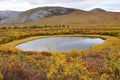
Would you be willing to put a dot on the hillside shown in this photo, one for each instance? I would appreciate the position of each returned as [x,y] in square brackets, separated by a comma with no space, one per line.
[79,17]
[12,17]
[97,10]
[60,15]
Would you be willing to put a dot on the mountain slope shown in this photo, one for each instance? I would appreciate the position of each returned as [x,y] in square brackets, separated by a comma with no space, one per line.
[33,14]
[79,17]
[97,10]
[60,15]
[7,14]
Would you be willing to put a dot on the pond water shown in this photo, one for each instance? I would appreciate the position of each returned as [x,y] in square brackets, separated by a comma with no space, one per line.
[60,44]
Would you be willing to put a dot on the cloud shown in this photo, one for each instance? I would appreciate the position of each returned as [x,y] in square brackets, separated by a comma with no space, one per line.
[21,5]
[112,5]
[3,0]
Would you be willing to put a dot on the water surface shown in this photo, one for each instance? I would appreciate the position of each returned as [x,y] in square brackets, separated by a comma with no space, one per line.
[60,44]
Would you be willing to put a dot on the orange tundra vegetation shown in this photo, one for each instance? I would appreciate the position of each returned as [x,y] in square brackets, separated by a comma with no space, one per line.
[100,62]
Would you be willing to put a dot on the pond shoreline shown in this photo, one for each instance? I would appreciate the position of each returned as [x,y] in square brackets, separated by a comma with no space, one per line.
[60,44]
[11,45]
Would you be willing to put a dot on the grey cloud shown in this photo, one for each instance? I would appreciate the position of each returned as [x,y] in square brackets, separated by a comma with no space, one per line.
[80,4]
[4,0]
[36,2]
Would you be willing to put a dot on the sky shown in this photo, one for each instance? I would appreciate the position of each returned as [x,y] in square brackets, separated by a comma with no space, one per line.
[22,5]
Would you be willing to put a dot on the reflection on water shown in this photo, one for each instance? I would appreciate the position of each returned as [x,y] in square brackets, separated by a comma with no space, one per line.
[61,44]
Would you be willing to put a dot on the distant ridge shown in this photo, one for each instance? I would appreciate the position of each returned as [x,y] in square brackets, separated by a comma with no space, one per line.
[98,10]
[12,17]
[58,15]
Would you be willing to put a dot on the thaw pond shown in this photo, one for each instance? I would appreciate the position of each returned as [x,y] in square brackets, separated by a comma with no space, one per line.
[60,44]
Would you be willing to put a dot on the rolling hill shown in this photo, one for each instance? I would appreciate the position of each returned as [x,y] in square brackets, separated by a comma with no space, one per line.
[97,10]
[58,15]
[13,17]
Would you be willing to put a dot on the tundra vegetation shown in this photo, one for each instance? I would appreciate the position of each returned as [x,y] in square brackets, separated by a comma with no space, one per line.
[100,62]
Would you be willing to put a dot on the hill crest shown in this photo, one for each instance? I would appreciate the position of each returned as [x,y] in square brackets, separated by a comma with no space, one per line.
[58,15]
[98,10]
